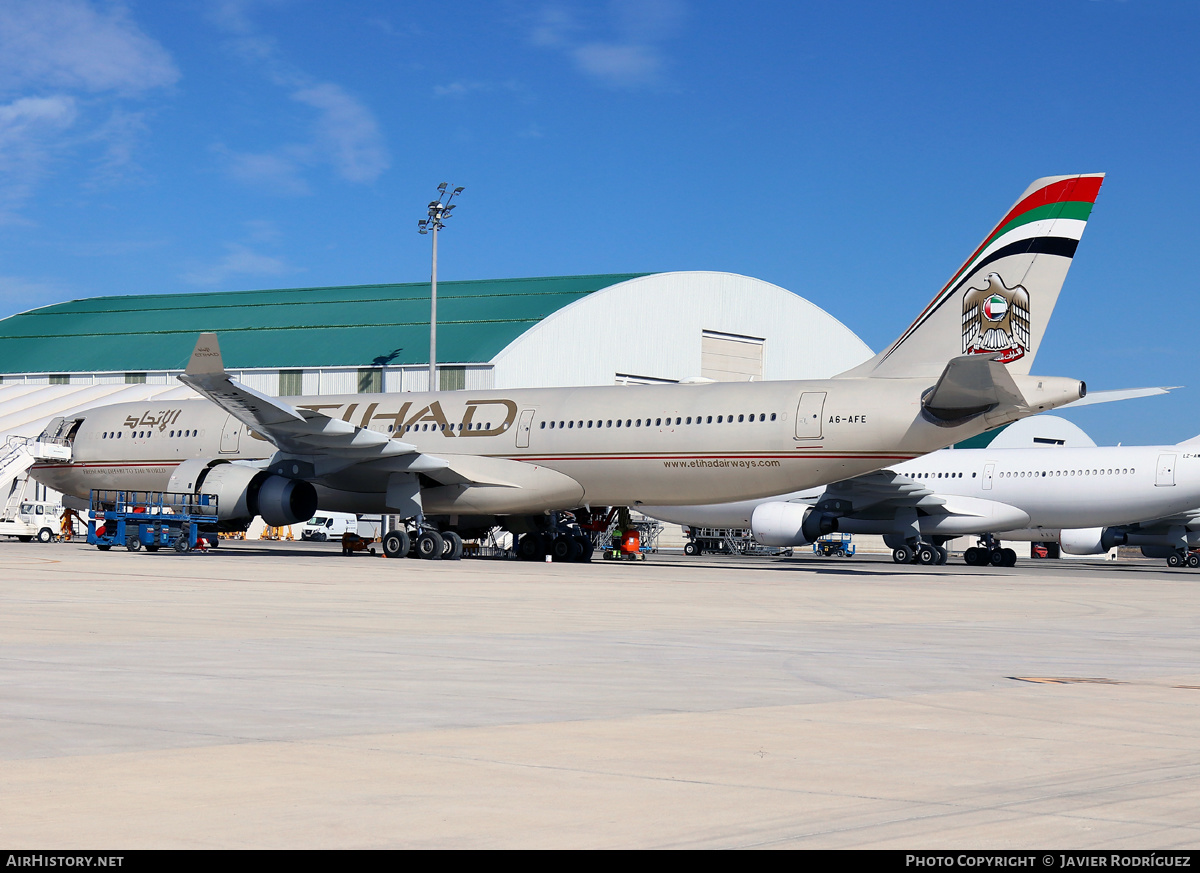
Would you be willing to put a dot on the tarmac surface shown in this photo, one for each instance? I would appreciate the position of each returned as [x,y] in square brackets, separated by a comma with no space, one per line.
[279,695]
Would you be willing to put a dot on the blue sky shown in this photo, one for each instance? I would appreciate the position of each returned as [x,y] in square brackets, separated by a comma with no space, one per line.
[852,152]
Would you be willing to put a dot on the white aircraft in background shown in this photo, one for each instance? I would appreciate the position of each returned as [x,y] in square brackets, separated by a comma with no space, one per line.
[1086,498]
[460,462]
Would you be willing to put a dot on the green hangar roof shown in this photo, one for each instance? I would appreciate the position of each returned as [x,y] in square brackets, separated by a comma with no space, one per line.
[357,325]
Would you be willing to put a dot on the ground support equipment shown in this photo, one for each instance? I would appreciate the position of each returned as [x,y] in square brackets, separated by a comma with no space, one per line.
[151,519]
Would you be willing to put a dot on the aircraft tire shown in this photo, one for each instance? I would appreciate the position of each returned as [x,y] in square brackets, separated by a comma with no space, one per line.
[902,554]
[589,549]
[1010,558]
[529,547]
[943,555]
[430,545]
[996,557]
[926,555]
[691,549]
[1193,561]
[971,557]
[575,553]
[453,549]
[396,544]
[1176,560]
[561,548]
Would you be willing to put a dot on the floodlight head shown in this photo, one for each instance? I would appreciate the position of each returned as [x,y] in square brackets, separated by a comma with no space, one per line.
[448,210]
[456,191]
[442,187]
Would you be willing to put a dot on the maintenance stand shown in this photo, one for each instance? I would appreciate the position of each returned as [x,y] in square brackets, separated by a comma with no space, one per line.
[153,519]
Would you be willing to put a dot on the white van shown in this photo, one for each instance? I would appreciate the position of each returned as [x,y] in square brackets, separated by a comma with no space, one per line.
[329,526]
[34,519]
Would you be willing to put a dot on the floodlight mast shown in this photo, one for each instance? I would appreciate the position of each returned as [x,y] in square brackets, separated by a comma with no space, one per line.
[438,213]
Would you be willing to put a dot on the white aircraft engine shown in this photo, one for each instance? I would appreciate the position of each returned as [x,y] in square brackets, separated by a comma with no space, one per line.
[783,524]
[244,492]
[1084,541]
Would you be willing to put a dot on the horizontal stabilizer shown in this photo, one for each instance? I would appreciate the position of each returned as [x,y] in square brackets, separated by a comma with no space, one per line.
[1116,394]
[972,385]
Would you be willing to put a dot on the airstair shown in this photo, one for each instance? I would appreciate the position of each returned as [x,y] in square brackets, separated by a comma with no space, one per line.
[18,454]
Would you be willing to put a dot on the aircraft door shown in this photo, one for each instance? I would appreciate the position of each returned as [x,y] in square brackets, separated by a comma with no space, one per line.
[809,414]
[1166,471]
[231,435]
[524,426]
[988,471]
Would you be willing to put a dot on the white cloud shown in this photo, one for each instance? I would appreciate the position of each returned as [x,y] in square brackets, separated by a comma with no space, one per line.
[460,89]
[624,66]
[18,294]
[278,172]
[631,57]
[29,132]
[239,260]
[65,64]
[345,133]
[72,45]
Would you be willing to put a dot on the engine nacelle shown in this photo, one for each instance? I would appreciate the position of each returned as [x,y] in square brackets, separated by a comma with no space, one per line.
[789,524]
[244,492]
[1090,540]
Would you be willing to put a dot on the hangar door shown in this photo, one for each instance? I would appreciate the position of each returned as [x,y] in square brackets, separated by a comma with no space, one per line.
[730,357]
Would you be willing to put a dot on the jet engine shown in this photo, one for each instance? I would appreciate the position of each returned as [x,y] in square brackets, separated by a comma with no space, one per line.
[790,524]
[1090,540]
[244,492]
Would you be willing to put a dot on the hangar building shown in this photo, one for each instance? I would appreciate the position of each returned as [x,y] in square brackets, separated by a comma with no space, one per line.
[503,333]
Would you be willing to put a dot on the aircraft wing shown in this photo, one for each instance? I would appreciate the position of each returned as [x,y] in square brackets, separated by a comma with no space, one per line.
[876,491]
[1189,520]
[885,494]
[292,430]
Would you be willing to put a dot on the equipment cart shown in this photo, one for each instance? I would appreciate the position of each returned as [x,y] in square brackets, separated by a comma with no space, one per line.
[151,519]
[834,545]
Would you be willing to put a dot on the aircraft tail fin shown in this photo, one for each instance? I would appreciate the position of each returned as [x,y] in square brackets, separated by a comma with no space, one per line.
[1000,301]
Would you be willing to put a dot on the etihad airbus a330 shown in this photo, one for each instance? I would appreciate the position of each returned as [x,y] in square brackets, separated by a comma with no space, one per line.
[460,461]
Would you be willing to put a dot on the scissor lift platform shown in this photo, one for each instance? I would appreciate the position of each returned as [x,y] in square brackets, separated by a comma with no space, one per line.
[150,519]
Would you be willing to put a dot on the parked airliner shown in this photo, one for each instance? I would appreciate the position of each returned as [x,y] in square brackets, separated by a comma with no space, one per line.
[459,462]
[1089,499]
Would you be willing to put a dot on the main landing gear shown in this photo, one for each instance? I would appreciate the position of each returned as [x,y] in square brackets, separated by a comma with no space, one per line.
[1181,558]
[426,543]
[989,553]
[563,547]
[920,553]
[565,541]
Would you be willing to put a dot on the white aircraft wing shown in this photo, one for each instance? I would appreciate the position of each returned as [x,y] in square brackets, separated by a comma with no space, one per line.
[292,430]
[877,490]
[880,495]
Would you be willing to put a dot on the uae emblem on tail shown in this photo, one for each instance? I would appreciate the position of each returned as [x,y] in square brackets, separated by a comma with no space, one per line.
[996,319]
